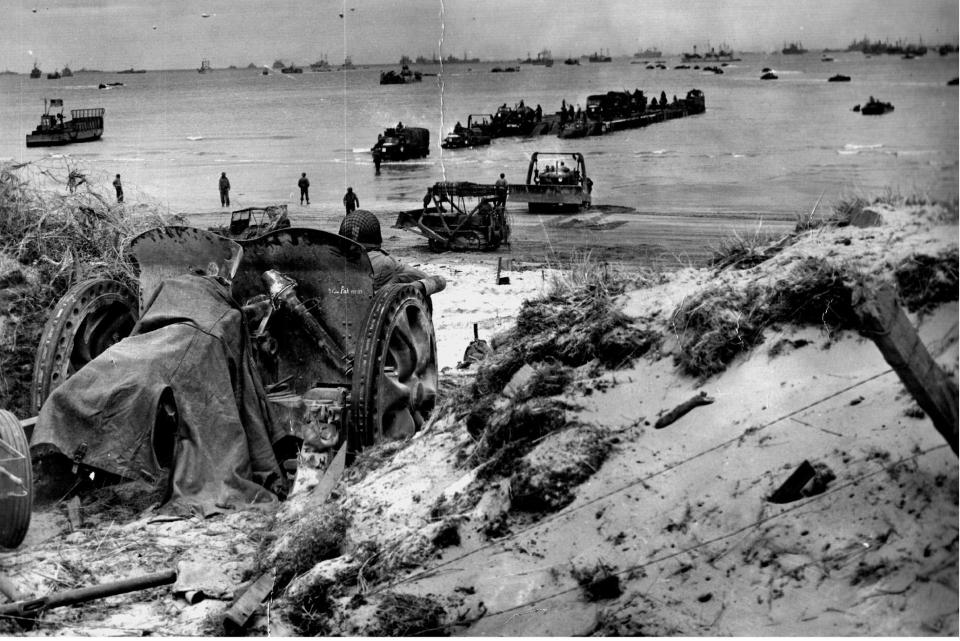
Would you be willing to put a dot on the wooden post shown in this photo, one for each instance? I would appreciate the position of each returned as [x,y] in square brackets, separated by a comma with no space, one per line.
[884,322]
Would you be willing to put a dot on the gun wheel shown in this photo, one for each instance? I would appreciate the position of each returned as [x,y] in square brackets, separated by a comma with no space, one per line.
[395,367]
[93,315]
[16,503]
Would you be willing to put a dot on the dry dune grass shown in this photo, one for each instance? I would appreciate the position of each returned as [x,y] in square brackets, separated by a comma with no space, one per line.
[50,240]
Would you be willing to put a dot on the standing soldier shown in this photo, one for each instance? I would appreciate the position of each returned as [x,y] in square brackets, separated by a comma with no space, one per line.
[376,160]
[119,187]
[501,190]
[304,186]
[350,200]
[224,190]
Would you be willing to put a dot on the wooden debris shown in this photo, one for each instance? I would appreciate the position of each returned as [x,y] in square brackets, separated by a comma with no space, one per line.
[885,323]
[681,409]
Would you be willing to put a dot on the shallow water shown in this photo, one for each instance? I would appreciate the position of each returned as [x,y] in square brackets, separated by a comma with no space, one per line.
[763,152]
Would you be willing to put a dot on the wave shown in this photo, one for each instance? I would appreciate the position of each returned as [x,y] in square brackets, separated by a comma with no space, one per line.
[194,138]
[852,149]
[915,152]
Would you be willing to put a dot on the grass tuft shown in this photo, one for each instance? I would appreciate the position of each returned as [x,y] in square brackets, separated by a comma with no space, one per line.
[924,281]
[407,615]
[722,322]
[316,539]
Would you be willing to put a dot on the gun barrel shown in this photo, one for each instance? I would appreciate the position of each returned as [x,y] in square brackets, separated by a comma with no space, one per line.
[31,607]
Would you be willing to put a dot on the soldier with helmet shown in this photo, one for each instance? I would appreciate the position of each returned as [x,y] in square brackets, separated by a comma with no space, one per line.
[363,227]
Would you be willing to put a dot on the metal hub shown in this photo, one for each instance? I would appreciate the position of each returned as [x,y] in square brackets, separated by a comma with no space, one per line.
[91,316]
[395,380]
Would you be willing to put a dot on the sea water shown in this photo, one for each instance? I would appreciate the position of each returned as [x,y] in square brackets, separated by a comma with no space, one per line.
[762,147]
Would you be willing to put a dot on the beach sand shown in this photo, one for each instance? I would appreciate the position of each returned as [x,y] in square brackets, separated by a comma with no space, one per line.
[670,534]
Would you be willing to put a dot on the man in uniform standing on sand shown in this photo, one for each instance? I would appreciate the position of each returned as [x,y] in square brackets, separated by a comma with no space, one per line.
[501,189]
[350,200]
[119,187]
[224,190]
[304,186]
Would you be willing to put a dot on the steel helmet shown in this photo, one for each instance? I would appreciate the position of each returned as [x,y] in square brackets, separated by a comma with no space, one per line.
[362,226]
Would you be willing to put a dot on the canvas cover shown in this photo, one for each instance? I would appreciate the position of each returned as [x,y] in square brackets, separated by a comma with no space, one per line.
[182,387]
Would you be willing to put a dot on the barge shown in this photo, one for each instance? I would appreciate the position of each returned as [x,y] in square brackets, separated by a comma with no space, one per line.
[85,125]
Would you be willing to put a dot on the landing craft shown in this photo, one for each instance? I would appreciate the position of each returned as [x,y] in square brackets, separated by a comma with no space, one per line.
[204,15]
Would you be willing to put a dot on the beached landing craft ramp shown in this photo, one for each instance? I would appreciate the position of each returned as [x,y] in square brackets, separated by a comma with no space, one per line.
[552,186]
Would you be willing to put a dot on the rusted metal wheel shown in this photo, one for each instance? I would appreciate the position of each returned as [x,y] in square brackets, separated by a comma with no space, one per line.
[395,367]
[16,486]
[93,315]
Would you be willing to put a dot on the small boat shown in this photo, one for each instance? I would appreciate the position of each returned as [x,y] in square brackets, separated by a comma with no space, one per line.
[205,66]
[572,61]
[265,72]
[110,84]
[505,69]
[84,125]
[132,70]
[401,77]
[876,107]
[826,59]
[291,69]
[839,78]
[66,73]
[35,72]
[768,76]
[54,76]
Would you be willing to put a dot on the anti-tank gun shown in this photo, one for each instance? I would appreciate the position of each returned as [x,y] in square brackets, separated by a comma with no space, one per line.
[339,365]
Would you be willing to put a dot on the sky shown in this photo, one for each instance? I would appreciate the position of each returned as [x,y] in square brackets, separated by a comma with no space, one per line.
[178,34]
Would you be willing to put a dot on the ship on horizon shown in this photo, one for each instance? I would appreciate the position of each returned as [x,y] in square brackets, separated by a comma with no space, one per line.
[649,53]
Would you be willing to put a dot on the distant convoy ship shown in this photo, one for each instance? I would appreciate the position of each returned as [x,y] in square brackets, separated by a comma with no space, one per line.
[35,72]
[543,58]
[205,66]
[649,53]
[793,49]
[85,125]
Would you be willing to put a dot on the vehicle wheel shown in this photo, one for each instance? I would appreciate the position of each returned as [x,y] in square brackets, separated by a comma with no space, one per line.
[91,316]
[395,367]
[15,510]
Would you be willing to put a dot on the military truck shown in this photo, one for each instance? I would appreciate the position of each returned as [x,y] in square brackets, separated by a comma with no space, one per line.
[403,143]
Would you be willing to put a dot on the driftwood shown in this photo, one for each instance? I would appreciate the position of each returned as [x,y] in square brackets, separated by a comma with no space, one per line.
[884,322]
[681,409]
